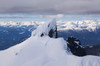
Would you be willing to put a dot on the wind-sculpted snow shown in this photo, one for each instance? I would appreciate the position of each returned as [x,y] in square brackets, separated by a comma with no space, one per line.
[48,28]
[44,51]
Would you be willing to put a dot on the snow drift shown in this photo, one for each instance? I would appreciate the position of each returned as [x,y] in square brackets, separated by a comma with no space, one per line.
[44,51]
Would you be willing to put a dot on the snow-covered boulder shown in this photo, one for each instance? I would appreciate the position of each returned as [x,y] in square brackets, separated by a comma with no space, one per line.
[48,29]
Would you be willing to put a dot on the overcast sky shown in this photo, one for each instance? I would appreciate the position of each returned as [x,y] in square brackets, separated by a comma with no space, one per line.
[50,6]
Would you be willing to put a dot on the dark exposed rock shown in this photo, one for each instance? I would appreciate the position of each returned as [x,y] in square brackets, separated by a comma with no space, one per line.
[92,50]
[75,46]
[42,34]
[56,33]
[52,32]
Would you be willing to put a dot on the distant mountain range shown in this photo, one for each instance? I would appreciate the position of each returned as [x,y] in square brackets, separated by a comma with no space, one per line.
[90,25]
[10,36]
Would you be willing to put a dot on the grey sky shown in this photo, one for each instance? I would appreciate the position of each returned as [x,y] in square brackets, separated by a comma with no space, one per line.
[50,6]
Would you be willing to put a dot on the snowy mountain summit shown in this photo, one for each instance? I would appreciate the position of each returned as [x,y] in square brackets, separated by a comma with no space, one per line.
[49,29]
[43,50]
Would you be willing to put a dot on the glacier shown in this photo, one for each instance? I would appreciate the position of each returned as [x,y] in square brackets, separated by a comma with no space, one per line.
[44,51]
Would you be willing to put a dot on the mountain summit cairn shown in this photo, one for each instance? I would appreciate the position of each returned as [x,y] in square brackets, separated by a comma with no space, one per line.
[48,29]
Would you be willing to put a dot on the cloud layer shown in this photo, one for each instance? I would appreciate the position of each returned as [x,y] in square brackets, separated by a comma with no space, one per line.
[50,6]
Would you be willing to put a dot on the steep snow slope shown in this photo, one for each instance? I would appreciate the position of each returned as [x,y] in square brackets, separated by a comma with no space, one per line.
[44,51]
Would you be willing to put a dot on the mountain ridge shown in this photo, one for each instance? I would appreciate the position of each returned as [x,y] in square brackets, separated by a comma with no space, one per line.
[44,51]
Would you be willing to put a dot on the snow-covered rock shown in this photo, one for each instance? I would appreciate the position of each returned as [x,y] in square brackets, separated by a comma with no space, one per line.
[48,29]
[75,47]
[44,51]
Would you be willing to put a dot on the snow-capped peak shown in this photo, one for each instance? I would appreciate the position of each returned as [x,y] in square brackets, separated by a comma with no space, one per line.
[48,29]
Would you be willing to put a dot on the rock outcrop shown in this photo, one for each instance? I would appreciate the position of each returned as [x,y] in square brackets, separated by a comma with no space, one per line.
[75,46]
[48,29]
